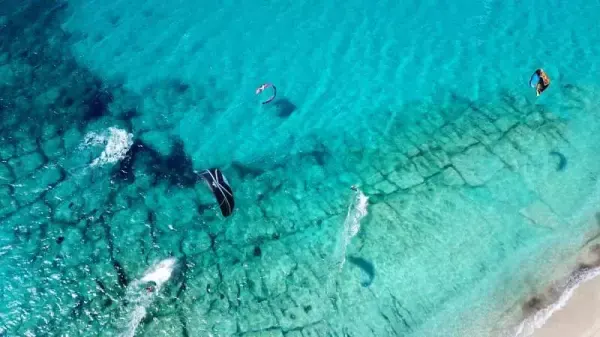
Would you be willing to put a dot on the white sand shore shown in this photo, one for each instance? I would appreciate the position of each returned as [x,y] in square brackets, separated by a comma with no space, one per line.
[580,316]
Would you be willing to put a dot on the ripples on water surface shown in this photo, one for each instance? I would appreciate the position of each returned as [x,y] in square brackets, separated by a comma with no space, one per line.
[109,110]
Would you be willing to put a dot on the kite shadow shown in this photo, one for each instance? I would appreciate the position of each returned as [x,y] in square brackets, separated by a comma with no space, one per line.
[284,107]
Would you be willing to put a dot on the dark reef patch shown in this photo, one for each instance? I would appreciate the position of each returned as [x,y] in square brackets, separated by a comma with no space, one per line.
[122,277]
[179,86]
[96,102]
[47,95]
[533,304]
[320,154]
[201,208]
[53,88]
[175,168]
[581,268]
[245,171]
[127,116]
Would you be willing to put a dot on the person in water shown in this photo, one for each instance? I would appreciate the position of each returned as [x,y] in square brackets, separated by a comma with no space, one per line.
[262,88]
[543,82]
[151,287]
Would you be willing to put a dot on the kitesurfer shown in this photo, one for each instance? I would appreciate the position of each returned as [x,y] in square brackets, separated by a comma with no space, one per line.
[540,81]
[151,287]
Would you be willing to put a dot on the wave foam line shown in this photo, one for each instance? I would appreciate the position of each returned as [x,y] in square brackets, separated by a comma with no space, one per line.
[537,320]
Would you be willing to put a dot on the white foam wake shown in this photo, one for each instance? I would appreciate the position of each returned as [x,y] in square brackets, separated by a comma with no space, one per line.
[116,143]
[139,298]
[356,211]
[529,325]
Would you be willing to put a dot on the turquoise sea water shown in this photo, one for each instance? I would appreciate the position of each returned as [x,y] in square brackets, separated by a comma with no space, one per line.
[476,187]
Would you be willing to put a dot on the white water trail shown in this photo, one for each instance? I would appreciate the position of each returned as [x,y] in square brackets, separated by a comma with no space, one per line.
[356,211]
[139,298]
[116,143]
[530,324]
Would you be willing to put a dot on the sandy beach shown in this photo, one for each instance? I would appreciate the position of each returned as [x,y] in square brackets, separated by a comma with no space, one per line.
[579,317]
[577,312]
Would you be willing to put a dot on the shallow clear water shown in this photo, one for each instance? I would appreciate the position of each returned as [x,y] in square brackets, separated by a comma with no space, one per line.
[475,187]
